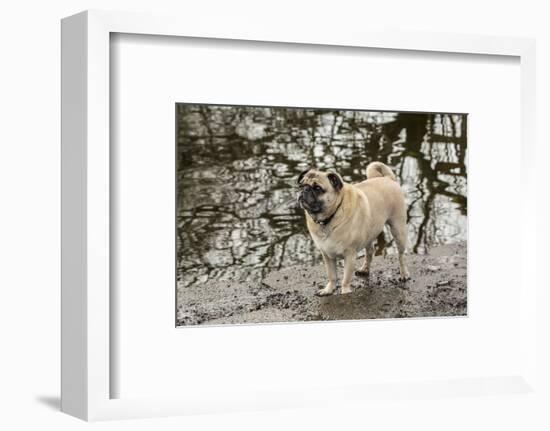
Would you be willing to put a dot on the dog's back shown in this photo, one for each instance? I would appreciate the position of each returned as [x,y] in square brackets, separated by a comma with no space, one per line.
[386,200]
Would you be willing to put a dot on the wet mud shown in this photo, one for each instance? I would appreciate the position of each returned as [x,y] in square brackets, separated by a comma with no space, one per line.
[438,287]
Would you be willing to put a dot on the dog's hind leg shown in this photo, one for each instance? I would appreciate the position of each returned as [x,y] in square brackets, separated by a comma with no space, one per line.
[399,233]
[365,268]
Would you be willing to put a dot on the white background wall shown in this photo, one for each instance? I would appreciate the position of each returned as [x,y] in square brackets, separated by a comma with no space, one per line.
[29,202]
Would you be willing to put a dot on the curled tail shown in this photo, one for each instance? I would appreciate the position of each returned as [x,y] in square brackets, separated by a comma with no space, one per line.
[379,169]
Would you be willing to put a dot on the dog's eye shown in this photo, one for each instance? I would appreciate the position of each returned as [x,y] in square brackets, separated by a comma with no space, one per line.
[317,188]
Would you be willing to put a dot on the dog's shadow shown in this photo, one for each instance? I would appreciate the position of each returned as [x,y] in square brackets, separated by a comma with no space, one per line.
[365,302]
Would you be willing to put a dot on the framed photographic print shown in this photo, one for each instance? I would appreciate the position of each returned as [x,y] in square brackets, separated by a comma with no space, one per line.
[247,210]
[250,251]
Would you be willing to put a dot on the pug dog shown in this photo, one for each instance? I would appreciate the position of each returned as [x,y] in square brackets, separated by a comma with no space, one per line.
[344,218]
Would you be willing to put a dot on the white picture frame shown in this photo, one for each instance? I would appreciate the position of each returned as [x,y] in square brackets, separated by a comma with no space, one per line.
[86,312]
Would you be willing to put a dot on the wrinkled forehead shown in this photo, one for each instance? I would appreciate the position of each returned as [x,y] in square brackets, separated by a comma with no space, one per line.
[315,177]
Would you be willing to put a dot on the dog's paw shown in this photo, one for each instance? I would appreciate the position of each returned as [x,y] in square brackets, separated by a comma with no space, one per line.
[346,290]
[329,290]
[361,273]
[404,277]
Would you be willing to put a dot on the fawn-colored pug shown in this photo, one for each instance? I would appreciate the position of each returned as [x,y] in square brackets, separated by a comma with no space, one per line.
[344,218]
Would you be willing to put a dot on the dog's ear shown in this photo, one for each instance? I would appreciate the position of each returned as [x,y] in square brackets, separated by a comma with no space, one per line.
[335,180]
[302,174]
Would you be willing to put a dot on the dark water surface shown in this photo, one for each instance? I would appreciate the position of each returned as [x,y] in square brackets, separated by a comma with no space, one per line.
[237,216]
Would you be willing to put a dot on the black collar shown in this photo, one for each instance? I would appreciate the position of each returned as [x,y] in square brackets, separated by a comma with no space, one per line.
[328,219]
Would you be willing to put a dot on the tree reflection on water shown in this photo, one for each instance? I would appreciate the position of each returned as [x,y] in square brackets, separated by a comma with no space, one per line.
[237,216]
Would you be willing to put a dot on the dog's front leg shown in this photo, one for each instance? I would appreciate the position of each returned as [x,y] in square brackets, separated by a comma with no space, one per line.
[349,267]
[330,265]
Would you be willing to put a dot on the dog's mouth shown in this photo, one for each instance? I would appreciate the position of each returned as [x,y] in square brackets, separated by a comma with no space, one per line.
[312,208]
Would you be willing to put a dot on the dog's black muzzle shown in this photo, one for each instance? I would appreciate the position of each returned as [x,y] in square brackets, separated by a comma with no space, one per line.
[308,201]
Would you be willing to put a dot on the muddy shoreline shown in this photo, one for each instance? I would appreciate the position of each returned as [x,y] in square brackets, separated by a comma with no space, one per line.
[437,288]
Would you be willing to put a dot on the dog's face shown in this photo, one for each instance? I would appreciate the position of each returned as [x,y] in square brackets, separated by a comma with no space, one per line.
[319,192]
